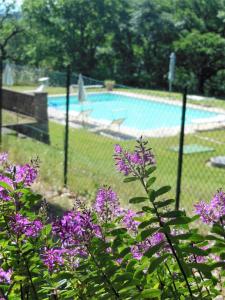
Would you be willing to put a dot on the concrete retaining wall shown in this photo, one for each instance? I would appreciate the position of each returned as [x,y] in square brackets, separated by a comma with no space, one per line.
[33,104]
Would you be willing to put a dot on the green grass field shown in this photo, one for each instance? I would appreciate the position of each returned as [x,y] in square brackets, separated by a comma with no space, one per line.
[91,160]
[91,163]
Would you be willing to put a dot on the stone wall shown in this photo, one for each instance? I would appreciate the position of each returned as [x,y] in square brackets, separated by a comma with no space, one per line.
[34,105]
[30,104]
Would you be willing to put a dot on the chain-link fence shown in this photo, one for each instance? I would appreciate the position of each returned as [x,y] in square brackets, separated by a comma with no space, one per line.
[103,114]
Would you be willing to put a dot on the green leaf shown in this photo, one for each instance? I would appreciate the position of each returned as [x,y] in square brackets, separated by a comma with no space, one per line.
[150,181]
[156,262]
[123,277]
[6,186]
[197,238]
[148,232]
[194,250]
[147,223]
[154,249]
[222,256]
[47,229]
[131,264]
[218,230]
[220,264]
[150,293]
[148,209]
[124,252]
[136,200]
[173,214]
[151,195]
[130,179]
[162,190]
[206,270]
[214,238]
[164,203]
[179,221]
[19,278]
[184,236]
[118,231]
[150,170]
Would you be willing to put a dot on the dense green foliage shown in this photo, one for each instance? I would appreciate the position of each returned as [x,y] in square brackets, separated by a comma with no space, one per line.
[10,28]
[128,41]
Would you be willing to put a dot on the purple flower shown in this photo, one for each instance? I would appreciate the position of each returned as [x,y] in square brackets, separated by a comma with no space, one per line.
[53,258]
[26,174]
[139,249]
[118,149]
[203,209]
[109,250]
[75,228]
[214,211]
[133,162]
[4,194]
[107,204]
[5,276]
[3,157]
[122,165]
[22,225]
[119,261]
[217,205]
[129,222]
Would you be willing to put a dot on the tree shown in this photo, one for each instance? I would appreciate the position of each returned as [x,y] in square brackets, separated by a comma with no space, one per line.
[71,31]
[201,53]
[155,32]
[10,27]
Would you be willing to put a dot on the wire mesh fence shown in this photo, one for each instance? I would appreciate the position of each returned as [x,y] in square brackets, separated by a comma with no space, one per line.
[109,114]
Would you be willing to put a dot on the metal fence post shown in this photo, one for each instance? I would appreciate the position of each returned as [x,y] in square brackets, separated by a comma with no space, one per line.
[1,97]
[181,147]
[66,144]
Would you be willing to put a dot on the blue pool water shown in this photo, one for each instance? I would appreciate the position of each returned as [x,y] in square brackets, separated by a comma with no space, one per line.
[139,114]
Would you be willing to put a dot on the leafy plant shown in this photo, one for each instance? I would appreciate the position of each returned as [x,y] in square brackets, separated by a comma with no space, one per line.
[106,251]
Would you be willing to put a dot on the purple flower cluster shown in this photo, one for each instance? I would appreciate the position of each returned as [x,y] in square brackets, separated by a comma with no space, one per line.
[26,174]
[53,258]
[139,249]
[129,162]
[214,210]
[22,225]
[75,228]
[128,220]
[4,194]
[107,204]
[5,276]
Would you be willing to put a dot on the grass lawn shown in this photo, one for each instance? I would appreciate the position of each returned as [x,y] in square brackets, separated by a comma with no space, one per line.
[91,163]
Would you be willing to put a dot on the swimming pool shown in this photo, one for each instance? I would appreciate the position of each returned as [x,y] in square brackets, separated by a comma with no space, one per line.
[138,113]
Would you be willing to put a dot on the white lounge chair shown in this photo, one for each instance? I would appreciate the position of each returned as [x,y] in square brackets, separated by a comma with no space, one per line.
[110,126]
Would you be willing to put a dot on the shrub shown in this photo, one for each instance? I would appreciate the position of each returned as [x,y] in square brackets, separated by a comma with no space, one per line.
[106,251]
[109,84]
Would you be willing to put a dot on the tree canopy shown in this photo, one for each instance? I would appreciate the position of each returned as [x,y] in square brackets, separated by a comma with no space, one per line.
[128,41]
